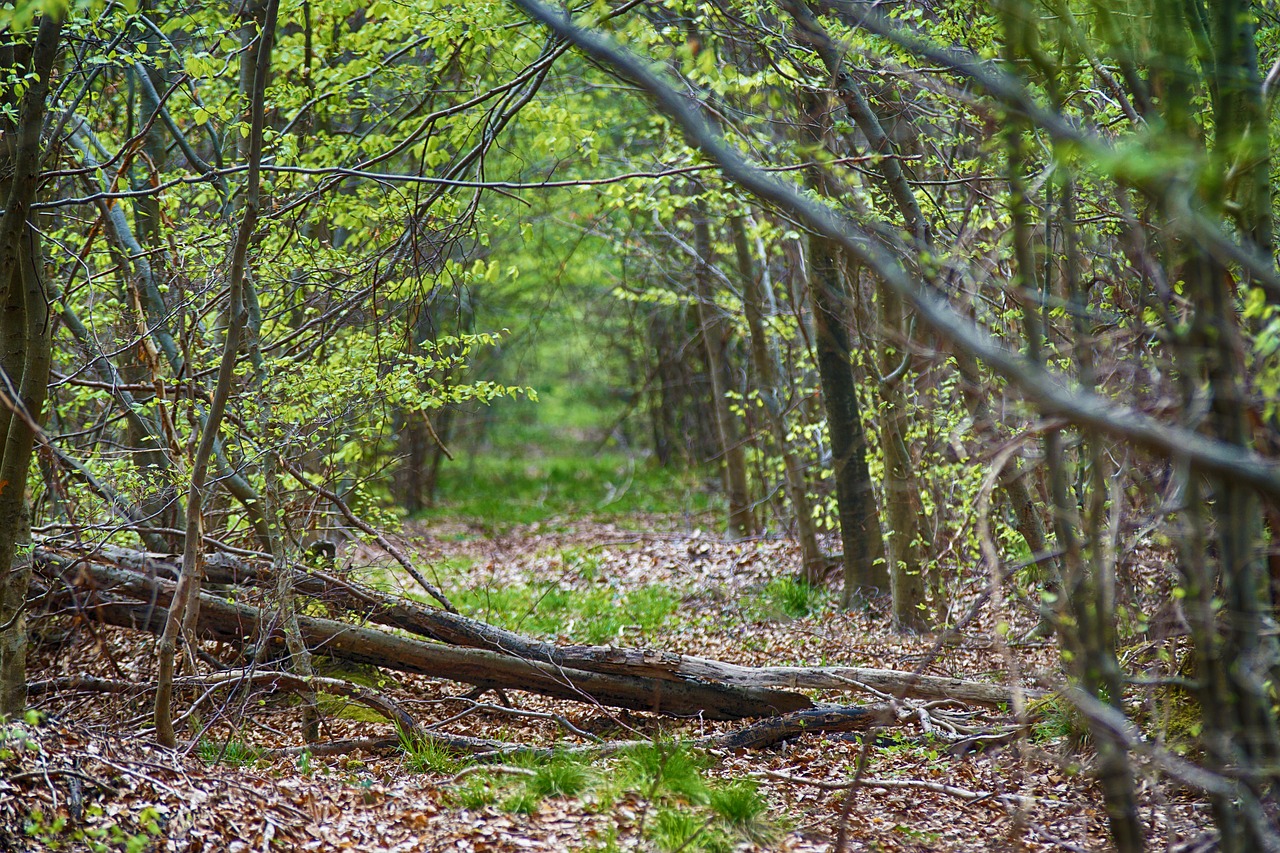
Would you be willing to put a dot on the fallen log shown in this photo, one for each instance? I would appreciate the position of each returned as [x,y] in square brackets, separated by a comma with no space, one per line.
[406,726]
[229,621]
[455,629]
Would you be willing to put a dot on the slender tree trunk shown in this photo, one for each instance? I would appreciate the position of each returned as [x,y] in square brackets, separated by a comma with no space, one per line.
[25,353]
[160,501]
[1087,619]
[187,594]
[864,568]
[1025,507]
[901,492]
[714,339]
[813,564]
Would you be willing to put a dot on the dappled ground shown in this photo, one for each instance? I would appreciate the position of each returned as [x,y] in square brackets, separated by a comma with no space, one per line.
[88,775]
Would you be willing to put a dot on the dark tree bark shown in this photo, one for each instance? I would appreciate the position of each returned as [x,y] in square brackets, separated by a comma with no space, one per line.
[715,336]
[864,569]
[25,333]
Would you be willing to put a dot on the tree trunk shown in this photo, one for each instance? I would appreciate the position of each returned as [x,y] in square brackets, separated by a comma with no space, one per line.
[715,336]
[813,563]
[901,494]
[145,578]
[864,569]
[185,613]
[25,347]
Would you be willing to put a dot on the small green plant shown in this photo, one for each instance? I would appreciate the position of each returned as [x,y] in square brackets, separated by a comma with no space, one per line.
[15,738]
[524,802]
[739,803]
[476,793]
[676,830]
[1055,719]
[562,776]
[792,597]
[920,747]
[918,835]
[742,807]
[666,767]
[430,756]
[57,833]
[231,752]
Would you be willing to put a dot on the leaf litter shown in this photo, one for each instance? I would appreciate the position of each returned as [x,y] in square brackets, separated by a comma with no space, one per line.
[87,773]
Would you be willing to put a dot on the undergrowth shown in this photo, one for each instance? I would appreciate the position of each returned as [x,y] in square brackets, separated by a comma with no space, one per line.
[500,491]
[232,752]
[596,615]
[680,808]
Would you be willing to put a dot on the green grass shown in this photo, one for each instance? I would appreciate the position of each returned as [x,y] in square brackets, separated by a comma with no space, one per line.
[524,802]
[428,756]
[666,767]
[790,598]
[597,615]
[684,811]
[739,803]
[232,753]
[505,489]
[562,776]
[743,809]
[676,830]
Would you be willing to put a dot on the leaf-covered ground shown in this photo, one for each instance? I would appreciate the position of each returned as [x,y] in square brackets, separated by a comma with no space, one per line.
[87,776]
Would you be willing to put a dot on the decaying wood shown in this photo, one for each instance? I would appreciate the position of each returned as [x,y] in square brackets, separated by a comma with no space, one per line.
[283,681]
[236,623]
[811,720]
[455,629]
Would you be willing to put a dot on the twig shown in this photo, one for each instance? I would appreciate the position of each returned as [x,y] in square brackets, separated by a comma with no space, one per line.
[937,787]
[67,772]
[497,769]
[386,544]
[475,707]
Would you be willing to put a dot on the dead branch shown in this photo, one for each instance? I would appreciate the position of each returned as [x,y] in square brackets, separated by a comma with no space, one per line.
[458,630]
[236,623]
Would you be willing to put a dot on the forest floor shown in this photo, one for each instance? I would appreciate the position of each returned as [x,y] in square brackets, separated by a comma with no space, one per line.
[88,776]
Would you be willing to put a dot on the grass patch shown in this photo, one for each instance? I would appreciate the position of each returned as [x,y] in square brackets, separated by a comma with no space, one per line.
[666,767]
[742,808]
[1055,720]
[231,753]
[595,616]
[739,803]
[790,598]
[503,490]
[674,830]
[558,776]
[562,776]
[523,802]
[429,756]
[477,793]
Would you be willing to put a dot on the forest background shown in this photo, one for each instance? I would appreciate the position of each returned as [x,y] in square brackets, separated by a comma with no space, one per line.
[976,300]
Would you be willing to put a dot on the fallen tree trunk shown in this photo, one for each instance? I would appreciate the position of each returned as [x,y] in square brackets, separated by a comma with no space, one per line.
[458,630]
[236,623]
